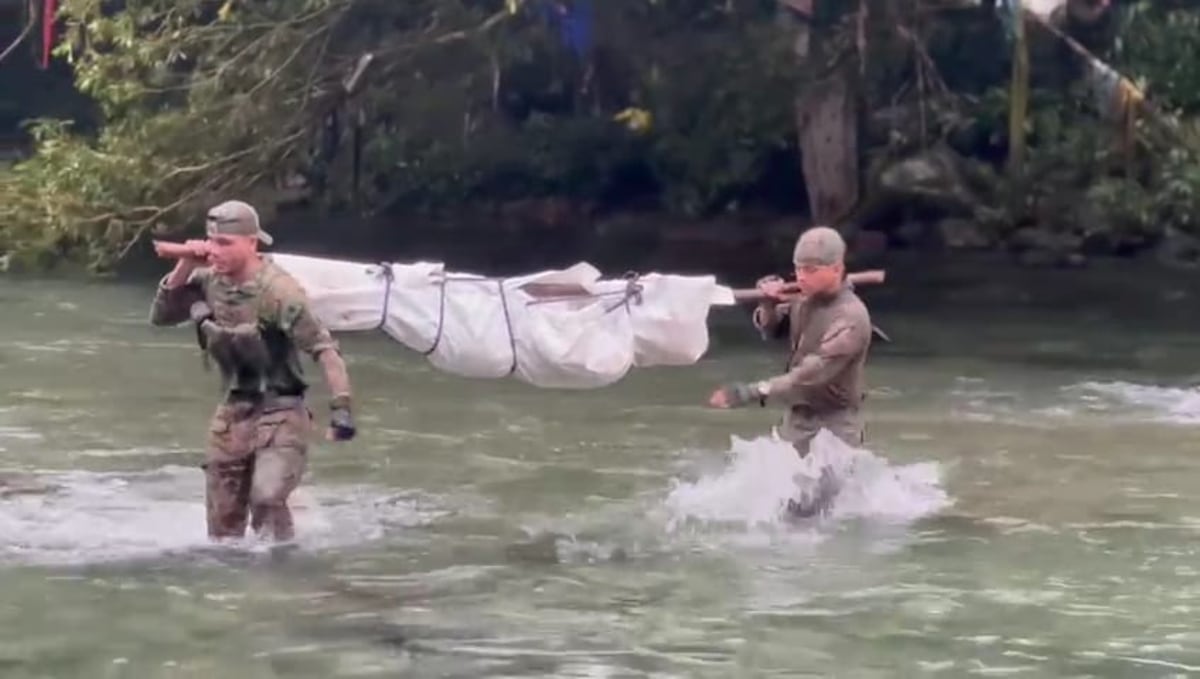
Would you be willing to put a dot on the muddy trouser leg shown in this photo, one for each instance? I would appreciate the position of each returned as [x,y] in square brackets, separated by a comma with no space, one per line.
[280,463]
[228,469]
[800,432]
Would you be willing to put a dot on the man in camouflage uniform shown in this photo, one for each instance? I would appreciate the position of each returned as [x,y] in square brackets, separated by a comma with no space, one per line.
[252,319]
[830,335]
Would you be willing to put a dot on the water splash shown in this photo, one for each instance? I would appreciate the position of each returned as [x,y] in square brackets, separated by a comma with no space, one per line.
[1163,404]
[79,517]
[764,473]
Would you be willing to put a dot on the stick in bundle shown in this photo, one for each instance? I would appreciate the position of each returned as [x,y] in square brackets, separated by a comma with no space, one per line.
[873,276]
[549,292]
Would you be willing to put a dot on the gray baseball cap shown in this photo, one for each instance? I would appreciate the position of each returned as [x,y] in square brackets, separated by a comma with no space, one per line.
[235,218]
[819,245]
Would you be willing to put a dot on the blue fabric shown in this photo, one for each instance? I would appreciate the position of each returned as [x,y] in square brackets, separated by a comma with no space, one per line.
[574,21]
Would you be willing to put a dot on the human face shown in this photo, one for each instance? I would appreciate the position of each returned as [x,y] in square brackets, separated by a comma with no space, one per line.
[818,279]
[231,255]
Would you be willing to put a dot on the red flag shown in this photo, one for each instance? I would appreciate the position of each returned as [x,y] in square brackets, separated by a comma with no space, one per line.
[49,9]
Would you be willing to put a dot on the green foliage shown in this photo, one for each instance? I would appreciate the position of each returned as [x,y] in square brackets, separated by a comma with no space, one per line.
[466,101]
[524,126]
[1081,180]
[194,105]
[1161,47]
[717,125]
[1178,199]
[480,101]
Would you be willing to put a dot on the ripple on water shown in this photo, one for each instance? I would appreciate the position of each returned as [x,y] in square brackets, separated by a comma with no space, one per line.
[75,517]
[1161,404]
[20,434]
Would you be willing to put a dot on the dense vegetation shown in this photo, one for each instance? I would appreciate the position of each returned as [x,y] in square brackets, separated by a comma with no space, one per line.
[676,106]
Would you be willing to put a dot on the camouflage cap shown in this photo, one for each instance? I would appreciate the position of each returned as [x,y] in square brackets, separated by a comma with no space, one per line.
[235,218]
[821,246]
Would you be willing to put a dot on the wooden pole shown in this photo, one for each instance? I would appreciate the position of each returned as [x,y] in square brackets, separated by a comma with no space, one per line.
[871,277]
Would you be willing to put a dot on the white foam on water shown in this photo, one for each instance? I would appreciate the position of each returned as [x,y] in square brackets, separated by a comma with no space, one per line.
[19,434]
[79,517]
[762,474]
[1162,404]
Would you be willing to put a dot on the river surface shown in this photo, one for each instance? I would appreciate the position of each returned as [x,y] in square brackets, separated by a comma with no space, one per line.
[1027,507]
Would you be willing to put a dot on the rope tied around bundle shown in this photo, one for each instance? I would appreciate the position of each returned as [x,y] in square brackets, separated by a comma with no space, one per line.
[389,277]
[443,279]
[632,291]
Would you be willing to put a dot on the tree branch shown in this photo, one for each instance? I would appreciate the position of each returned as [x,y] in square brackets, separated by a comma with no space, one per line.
[24,34]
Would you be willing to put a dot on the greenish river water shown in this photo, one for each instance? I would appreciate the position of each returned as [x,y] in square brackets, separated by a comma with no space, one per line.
[1027,508]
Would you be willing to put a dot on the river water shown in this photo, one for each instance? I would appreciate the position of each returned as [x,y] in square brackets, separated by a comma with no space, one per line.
[1026,508]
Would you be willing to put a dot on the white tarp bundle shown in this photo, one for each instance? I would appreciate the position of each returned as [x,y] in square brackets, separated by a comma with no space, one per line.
[481,327]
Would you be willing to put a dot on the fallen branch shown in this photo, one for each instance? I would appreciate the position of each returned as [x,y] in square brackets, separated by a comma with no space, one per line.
[446,38]
[24,33]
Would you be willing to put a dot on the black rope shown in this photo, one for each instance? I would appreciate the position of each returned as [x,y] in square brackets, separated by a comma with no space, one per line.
[446,278]
[633,290]
[437,338]
[389,277]
[512,340]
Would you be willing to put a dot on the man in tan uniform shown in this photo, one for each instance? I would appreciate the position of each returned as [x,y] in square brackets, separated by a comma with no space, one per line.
[830,335]
[251,319]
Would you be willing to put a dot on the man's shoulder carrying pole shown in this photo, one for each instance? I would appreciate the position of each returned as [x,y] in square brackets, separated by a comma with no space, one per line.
[792,290]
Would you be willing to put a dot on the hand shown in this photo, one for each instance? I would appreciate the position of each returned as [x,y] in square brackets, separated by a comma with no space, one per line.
[734,395]
[719,399]
[771,287]
[341,425]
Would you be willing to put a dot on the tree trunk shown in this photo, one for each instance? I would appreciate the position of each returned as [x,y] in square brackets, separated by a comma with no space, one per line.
[826,119]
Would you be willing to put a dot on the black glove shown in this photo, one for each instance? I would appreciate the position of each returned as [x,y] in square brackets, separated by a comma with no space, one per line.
[342,422]
[740,394]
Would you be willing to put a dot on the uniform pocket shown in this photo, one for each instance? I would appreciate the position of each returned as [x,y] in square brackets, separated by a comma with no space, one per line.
[287,428]
[230,435]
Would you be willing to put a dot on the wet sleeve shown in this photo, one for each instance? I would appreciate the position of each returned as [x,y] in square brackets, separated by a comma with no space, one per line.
[301,325]
[310,335]
[842,342]
[172,306]
[775,325]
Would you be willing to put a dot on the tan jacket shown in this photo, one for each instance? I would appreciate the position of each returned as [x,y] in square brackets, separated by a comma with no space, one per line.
[829,340]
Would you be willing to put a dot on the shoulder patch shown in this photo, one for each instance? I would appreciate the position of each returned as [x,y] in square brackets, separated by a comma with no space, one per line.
[289,312]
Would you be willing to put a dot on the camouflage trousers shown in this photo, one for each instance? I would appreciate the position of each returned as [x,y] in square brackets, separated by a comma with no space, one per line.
[256,454]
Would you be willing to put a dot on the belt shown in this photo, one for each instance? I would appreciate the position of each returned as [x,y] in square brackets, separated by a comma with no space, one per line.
[269,398]
[824,411]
